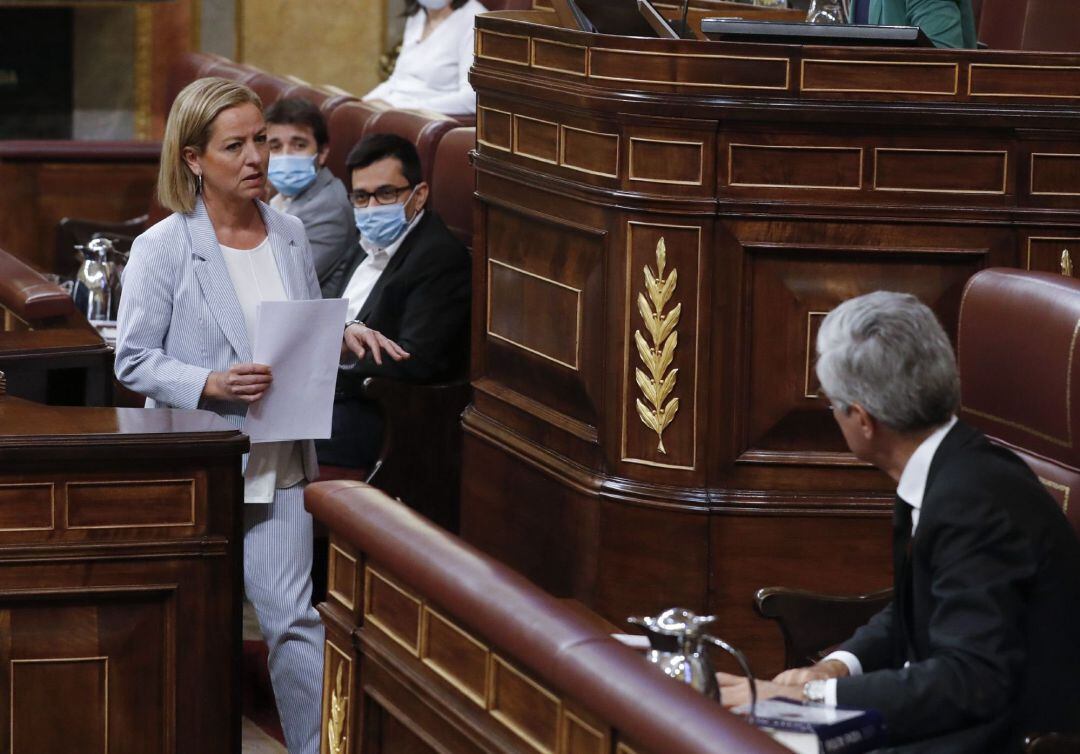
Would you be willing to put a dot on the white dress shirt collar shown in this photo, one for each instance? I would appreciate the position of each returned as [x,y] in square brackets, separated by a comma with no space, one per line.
[912,485]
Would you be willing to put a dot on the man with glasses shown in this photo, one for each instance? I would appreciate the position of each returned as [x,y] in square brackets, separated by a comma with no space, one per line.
[408,294]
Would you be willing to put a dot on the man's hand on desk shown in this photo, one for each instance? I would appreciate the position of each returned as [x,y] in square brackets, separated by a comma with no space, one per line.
[735,690]
[360,339]
[822,671]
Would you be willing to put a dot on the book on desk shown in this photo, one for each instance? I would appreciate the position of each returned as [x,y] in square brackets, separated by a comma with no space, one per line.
[814,728]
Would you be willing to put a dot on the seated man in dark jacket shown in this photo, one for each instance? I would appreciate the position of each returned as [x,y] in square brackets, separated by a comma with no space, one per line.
[408,294]
[980,645]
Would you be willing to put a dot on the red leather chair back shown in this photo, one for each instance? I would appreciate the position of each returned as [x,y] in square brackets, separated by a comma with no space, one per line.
[423,129]
[317,97]
[453,182]
[1017,344]
[269,87]
[187,68]
[347,123]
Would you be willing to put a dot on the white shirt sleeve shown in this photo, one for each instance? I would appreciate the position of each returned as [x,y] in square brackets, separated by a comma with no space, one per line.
[854,667]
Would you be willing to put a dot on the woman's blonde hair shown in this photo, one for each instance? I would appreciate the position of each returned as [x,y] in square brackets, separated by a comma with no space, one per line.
[190,119]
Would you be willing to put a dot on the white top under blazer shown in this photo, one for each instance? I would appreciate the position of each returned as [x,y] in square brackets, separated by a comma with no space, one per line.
[433,74]
[180,317]
[255,279]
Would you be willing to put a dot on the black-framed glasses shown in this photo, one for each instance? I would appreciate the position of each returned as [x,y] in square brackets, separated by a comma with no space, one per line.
[383,195]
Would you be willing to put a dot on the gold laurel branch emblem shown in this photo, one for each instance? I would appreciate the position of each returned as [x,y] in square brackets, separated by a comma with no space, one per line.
[335,727]
[657,383]
[1066,264]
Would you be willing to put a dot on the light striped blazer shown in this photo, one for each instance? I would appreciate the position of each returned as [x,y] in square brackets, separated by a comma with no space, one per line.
[179,316]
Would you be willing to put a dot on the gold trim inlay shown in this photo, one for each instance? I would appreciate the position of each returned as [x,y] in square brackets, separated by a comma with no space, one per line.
[562,150]
[658,384]
[335,725]
[1031,186]
[624,428]
[638,53]
[954,66]
[482,33]
[347,601]
[809,328]
[369,574]
[533,42]
[731,166]
[143,70]
[577,305]
[128,483]
[493,669]
[102,659]
[1065,239]
[1066,264]
[480,699]
[514,139]
[52,499]
[569,717]
[1064,489]
[701,161]
[971,78]
[994,192]
[480,114]
[335,719]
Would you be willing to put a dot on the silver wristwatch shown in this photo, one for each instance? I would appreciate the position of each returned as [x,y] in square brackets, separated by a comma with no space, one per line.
[814,692]
[354,322]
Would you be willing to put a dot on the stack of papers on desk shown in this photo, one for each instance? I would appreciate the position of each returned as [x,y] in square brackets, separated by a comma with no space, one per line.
[816,729]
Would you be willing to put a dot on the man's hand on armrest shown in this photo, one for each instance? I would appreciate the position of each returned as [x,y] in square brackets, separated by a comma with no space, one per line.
[360,339]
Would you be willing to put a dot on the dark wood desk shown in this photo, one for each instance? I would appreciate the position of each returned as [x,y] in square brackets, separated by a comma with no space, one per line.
[774,181]
[120,580]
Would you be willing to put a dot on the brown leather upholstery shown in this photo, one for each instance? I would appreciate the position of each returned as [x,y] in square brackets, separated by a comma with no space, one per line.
[423,129]
[563,649]
[270,88]
[453,182]
[187,68]
[28,294]
[228,69]
[313,95]
[347,124]
[1016,347]
[1038,25]
[507,4]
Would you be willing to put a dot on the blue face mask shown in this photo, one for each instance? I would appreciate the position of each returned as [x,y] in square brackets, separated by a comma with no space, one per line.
[434,4]
[292,173]
[382,224]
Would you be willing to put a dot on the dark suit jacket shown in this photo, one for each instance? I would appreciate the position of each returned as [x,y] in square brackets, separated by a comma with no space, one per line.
[987,611]
[421,302]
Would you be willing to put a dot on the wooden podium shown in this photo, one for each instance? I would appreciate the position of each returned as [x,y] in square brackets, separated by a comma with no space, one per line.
[660,228]
[120,580]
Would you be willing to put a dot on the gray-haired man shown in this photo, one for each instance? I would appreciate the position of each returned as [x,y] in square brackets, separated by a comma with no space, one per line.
[981,644]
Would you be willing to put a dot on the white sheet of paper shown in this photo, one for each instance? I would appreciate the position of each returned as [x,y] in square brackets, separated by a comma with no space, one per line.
[301,343]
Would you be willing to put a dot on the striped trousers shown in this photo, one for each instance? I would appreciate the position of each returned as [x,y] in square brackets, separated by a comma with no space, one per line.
[277,580]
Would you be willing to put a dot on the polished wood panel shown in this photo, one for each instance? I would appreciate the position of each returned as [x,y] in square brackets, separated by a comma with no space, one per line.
[781,180]
[120,579]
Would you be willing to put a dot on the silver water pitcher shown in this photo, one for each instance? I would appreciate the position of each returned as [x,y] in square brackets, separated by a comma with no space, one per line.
[99,276]
[826,12]
[677,642]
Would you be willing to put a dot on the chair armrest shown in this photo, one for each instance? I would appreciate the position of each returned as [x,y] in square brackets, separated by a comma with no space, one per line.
[420,459]
[813,623]
[1052,743]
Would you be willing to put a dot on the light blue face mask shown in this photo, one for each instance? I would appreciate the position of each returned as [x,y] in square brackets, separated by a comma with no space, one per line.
[292,173]
[382,224]
[434,4]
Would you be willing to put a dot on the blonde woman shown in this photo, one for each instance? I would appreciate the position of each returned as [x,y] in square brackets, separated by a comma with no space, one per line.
[191,290]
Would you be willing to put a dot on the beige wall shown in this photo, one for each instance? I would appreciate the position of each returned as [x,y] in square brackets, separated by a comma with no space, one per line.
[334,42]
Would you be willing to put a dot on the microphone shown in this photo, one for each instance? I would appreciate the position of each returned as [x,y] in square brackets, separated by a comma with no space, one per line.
[684,32]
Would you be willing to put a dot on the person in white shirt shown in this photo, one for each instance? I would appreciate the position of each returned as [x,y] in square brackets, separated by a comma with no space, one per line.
[432,70]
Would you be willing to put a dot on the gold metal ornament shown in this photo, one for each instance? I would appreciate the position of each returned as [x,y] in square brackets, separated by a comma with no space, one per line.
[657,384]
[1066,264]
[335,727]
